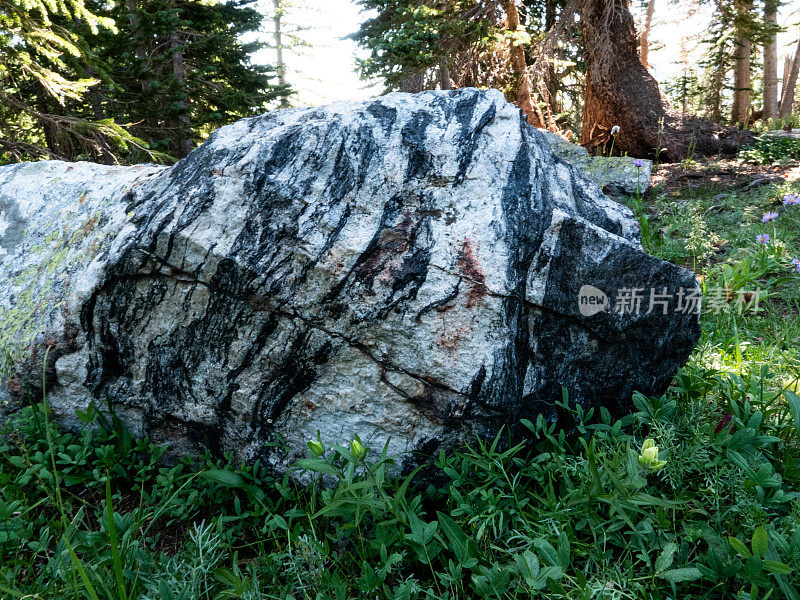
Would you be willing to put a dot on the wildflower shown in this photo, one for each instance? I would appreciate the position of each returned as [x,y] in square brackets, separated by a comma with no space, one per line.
[316,446]
[769,216]
[763,238]
[648,459]
[791,199]
[796,264]
[615,130]
[357,449]
[638,163]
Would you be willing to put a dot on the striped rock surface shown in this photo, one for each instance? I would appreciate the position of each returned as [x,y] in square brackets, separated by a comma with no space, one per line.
[407,269]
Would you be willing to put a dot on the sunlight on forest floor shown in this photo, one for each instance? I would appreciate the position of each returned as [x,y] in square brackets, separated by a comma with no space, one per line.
[708,217]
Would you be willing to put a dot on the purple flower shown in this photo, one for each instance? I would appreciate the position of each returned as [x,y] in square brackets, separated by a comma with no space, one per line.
[638,163]
[769,216]
[796,262]
[763,238]
[791,199]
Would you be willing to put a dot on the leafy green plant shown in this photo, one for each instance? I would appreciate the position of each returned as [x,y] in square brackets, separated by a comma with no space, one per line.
[768,149]
[647,506]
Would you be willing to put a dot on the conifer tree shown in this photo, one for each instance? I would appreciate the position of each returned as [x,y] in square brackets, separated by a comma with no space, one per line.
[45,64]
[188,72]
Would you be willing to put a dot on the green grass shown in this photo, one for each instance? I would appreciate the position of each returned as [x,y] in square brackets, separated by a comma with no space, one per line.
[580,511]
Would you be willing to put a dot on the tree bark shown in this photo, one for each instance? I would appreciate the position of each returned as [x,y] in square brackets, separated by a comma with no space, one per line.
[644,38]
[278,33]
[413,83]
[787,67]
[185,143]
[140,50]
[620,91]
[551,78]
[771,64]
[444,77]
[790,83]
[740,113]
[523,90]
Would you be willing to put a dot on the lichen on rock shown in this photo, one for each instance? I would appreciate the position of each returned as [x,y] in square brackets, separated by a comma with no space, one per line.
[617,174]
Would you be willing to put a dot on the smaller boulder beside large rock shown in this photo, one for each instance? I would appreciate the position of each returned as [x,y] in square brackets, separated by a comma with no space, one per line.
[617,175]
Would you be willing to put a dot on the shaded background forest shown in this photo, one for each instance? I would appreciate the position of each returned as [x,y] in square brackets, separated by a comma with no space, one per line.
[147,80]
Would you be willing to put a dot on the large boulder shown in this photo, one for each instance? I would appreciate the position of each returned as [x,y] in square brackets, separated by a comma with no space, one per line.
[412,268]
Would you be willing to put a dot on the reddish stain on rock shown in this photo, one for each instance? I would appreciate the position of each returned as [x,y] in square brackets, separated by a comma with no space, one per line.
[468,263]
[453,337]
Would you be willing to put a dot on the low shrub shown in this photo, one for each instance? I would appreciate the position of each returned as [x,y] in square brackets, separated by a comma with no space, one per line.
[768,149]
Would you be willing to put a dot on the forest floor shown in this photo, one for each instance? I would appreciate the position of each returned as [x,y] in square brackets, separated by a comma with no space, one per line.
[708,217]
[723,173]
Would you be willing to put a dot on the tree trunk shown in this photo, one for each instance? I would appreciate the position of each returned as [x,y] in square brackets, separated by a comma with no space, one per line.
[740,113]
[523,91]
[714,94]
[551,78]
[787,67]
[185,144]
[105,153]
[444,77]
[620,91]
[281,64]
[644,38]
[771,64]
[140,50]
[790,83]
[413,83]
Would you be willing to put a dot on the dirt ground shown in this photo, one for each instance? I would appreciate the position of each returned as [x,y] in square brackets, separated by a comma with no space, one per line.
[726,173]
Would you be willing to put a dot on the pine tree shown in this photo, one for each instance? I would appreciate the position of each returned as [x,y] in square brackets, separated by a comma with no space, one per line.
[413,41]
[740,113]
[46,65]
[771,62]
[180,70]
[416,45]
[126,81]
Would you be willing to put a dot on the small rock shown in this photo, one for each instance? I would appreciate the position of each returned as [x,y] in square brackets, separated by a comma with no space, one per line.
[617,175]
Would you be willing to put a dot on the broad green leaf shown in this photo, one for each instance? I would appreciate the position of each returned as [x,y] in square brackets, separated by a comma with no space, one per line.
[779,568]
[794,407]
[760,541]
[547,551]
[664,560]
[528,566]
[227,478]
[681,575]
[739,547]
[459,540]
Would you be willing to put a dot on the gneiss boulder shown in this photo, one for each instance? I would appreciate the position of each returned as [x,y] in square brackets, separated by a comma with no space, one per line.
[415,268]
